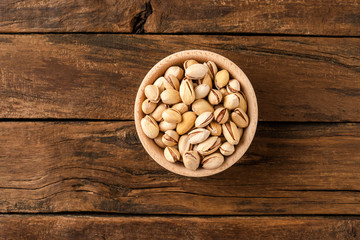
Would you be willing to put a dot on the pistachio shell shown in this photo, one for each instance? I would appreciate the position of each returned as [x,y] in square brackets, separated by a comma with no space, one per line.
[191,160]
[212,68]
[171,154]
[227,149]
[215,97]
[221,79]
[170,138]
[148,106]
[233,86]
[149,127]
[164,126]
[201,91]
[209,146]
[171,82]
[177,71]
[214,128]
[188,121]
[188,63]
[198,135]
[157,113]
[187,92]
[200,106]
[231,101]
[184,144]
[181,107]
[171,115]
[204,119]
[152,92]
[224,92]
[160,84]
[240,118]
[243,101]
[231,133]
[170,96]
[196,71]
[158,140]
[221,115]
[206,80]
[212,161]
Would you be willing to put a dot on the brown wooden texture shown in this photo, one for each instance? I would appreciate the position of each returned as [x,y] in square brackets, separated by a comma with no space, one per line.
[97,76]
[290,168]
[87,227]
[323,17]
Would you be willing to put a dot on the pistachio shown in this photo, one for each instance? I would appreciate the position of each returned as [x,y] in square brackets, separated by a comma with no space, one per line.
[157,113]
[233,86]
[240,118]
[170,96]
[148,106]
[227,149]
[243,101]
[152,92]
[171,82]
[209,146]
[198,135]
[221,79]
[190,62]
[184,144]
[191,160]
[201,91]
[181,107]
[187,92]
[196,71]
[221,115]
[170,138]
[172,154]
[160,83]
[231,133]
[171,115]
[149,127]
[158,140]
[231,101]
[224,92]
[188,121]
[200,106]
[177,71]
[215,97]
[164,126]
[214,128]
[204,119]
[212,68]
[212,161]
[206,80]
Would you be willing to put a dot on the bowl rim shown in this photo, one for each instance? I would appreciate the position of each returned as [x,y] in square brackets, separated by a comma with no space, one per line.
[224,63]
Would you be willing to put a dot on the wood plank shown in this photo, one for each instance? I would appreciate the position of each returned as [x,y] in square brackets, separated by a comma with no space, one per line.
[88,227]
[323,17]
[97,76]
[102,167]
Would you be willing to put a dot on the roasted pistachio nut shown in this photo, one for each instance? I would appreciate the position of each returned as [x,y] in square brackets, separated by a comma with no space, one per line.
[158,140]
[198,135]
[188,121]
[231,133]
[171,154]
[215,97]
[171,82]
[148,106]
[149,127]
[187,92]
[177,71]
[152,92]
[160,84]
[214,128]
[171,115]
[200,106]
[181,107]
[221,115]
[224,92]
[164,126]
[157,113]
[233,86]
[243,101]
[231,101]
[212,68]
[204,119]
[209,146]
[170,138]
[201,91]
[240,118]
[206,80]
[184,144]
[227,149]
[221,79]
[196,71]
[188,63]
[170,96]
[191,160]
[212,161]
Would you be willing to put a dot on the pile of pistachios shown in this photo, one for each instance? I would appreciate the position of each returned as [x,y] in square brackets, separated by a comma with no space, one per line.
[197,118]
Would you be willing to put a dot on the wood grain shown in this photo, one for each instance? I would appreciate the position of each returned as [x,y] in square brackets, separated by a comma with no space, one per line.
[97,76]
[323,17]
[87,227]
[101,167]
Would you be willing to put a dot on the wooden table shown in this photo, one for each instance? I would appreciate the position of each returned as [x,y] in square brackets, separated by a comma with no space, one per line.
[72,166]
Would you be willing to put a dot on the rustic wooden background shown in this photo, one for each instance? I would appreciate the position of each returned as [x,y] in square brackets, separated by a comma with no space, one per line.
[72,167]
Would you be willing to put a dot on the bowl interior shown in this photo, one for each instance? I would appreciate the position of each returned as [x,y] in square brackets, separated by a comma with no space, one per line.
[177,59]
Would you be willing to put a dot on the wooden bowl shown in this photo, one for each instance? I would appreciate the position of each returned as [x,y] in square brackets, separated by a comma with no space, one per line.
[223,63]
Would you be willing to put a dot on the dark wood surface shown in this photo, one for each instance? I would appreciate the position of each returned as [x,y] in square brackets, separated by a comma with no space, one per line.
[71,164]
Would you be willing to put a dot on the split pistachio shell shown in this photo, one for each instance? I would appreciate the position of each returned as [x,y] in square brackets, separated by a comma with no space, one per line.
[221,79]
[181,107]
[215,97]
[233,86]
[191,160]
[240,118]
[184,144]
[227,149]
[158,140]
[243,101]
[231,101]
[212,161]
[201,91]
[172,154]
[198,135]
[170,96]
[188,121]
[214,128]
[206,80]
[231,133]
[196,71]
[221,115]
[171,82]
[170,138]
[187,92]
[148,106]
[177,71]
[190,62]
[200,106]
[149,127]
[209,146]
[152,92]
[204,119]
[157,113]
[160,84]
[164,126]
[171,115]
[212,68]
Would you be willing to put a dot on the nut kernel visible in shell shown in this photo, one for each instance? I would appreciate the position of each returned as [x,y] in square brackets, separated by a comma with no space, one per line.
[227,149]
[240,118]
[187,92]
[204,119]
[184,144]
[215,97]
[149,127]
[231,132]
[171,115]
[221,78]
[191,160]
[152,92]
[177,71]
[221,115]
[196,71]
[212,68]
[214,128]
[172,154]
[209,146]
[170,96]
[200,106]
[212,161]
[148,106]
[171,82]
[164,126]
[170,138]
[188,121]
[198,135]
